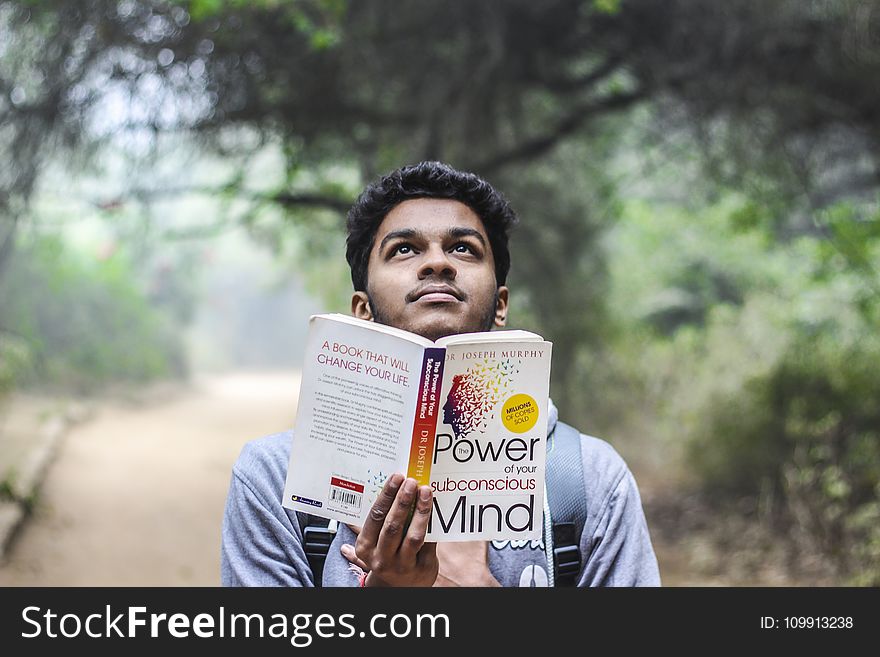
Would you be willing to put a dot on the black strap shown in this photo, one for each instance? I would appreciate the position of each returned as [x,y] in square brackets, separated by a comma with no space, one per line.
[317,538]
[566,495]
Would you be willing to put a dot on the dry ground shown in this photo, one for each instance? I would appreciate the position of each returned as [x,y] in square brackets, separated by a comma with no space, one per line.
[136,495]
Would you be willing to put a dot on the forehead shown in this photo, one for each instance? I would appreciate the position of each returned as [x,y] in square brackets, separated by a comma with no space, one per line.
[432,217]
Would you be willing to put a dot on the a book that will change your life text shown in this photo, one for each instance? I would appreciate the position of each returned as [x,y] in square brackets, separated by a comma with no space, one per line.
[466,414]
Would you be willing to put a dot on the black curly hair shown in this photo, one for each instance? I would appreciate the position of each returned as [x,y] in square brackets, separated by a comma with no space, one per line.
[426,180]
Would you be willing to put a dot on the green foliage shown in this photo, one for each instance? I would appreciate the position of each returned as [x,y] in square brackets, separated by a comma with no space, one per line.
[558,277]
[85,323]
[15,359]
[673,265]
[811,428]
[853,238]
[310,240]
[766,385]
[607,6]
[317,254]
[318,20]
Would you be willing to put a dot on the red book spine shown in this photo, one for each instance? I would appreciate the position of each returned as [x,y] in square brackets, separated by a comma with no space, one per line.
[421,451]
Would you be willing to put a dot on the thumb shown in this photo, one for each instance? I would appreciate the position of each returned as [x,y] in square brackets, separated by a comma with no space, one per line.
[349,553]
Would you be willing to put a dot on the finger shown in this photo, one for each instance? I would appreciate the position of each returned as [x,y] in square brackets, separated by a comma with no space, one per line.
[427,556]
[418,526]
[395,521]
[369,533]
[355,529]
[349,553]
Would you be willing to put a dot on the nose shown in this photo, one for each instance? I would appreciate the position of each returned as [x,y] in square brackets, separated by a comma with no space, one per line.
[436,262]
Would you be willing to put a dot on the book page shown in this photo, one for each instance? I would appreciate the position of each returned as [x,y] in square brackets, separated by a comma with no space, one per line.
[491,441]
[354,420]
[512,335]
[380,328]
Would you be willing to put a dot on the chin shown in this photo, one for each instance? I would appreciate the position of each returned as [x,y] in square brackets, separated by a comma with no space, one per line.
[427,327]
[442,320]
[431,331]
[438,328]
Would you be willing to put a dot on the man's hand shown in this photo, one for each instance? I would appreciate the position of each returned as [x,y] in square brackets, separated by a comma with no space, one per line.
[393,554]
[454,564]
[464,564]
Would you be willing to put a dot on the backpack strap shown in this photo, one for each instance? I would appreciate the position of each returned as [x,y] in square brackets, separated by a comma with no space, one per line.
[567,498]
[318,534]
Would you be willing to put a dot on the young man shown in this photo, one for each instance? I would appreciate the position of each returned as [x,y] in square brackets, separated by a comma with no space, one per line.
[427,247]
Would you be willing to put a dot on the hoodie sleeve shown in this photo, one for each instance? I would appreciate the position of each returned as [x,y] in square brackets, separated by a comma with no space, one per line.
[615,545]
[261,545]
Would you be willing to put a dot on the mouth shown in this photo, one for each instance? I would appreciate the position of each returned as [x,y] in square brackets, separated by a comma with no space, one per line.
[437,297]
[437,294]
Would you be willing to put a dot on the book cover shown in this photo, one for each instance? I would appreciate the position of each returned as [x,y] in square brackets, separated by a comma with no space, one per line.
[466,414]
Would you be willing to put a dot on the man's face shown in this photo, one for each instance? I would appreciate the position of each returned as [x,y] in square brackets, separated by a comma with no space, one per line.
[431,271]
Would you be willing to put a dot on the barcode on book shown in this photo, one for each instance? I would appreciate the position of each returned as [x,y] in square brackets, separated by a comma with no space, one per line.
[345,495]
[345,498]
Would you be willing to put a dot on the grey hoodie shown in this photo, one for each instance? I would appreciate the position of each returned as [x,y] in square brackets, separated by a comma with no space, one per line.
[262,541]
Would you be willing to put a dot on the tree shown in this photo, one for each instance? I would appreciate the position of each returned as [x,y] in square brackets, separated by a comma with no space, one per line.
[495,87]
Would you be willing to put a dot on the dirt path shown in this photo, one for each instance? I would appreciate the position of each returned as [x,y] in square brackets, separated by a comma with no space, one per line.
[136,495]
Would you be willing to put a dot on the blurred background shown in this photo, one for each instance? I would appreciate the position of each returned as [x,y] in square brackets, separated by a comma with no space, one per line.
[697,184]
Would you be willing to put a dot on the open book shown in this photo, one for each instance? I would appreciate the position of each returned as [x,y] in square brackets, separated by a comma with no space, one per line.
[466,414]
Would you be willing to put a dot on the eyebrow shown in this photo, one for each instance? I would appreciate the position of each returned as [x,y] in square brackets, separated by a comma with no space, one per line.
[452,233]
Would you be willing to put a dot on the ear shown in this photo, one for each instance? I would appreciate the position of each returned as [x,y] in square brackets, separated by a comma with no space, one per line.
[360,306]
[501,307]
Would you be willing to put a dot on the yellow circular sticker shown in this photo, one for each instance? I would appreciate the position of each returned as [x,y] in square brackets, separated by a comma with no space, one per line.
[519,413]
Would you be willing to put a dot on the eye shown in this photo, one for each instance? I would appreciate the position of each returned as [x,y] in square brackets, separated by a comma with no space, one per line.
[402,249]
[461,247]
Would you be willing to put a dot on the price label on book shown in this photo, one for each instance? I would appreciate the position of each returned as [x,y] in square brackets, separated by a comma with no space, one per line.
[345,495]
